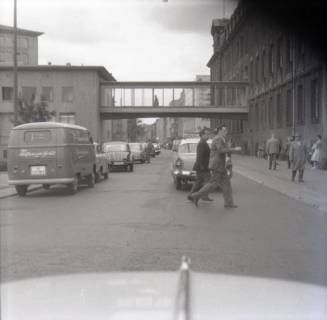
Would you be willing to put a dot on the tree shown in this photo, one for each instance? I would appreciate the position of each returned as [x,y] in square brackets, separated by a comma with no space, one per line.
[33,111]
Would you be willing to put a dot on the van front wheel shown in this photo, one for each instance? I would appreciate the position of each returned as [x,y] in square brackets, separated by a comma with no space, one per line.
[91,180]
[21,190]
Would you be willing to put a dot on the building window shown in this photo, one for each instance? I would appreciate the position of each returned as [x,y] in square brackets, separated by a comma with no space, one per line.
[263,115]
[22,43]
[300,104]
[257,69]
[315,101]
[251,72]
[263,62]
[67,94]
[289,53]
[280,53]
[279,113]
[256,116]
[67,117]
[289,108]
[47,94]
[28,94]
[271,113]
[7,93]
[271,59]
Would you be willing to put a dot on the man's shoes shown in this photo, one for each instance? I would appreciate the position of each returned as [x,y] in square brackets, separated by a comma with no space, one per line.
[301,180]
[195,199]
[230,206]
[189,197]
[206,199]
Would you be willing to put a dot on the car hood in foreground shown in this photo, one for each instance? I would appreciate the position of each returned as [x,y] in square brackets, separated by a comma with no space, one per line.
[188,160]
[153,296]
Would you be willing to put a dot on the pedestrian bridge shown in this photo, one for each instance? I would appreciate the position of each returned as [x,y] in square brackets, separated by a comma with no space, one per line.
[224,100]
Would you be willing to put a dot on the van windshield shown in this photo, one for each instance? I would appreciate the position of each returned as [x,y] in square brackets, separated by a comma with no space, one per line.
[115,147]
[37,137]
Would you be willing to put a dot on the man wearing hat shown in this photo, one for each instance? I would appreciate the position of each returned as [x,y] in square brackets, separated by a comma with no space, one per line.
[298,156]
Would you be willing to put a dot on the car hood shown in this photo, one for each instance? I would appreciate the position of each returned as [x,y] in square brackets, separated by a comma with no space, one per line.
[153,296]
[188,160]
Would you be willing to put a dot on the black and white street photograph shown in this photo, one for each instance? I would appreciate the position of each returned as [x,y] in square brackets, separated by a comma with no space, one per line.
[163,159]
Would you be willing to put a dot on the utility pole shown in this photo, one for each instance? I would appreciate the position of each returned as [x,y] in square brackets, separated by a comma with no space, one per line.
[15,66]
[293,86]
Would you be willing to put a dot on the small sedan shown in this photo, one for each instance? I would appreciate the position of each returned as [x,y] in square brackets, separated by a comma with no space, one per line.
[138,151]
[183,162]
[157,148]
[119,155]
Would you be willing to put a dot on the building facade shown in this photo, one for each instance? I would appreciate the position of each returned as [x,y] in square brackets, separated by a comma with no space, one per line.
[27,46]
[73,92]
[287,78]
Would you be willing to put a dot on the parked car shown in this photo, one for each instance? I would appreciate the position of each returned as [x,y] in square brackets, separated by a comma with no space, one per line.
[183,161]
[50,153]
[119,155]
[157,148]
[102,163]
[138,151]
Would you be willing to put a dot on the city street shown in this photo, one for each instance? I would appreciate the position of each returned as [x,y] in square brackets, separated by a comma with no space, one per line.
[138,221]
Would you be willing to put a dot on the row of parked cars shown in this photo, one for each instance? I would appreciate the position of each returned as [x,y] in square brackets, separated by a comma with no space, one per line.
[50,153]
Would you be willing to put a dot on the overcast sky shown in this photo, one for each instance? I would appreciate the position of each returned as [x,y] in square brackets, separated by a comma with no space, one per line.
[133,39]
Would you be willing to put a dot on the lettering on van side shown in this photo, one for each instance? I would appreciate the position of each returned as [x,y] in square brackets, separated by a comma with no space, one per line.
[24,153]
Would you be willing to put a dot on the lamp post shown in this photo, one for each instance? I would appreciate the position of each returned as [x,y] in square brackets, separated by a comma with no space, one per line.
[15,66]
[293,86]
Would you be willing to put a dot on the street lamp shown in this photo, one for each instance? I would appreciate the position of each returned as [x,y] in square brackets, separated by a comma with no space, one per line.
[15,66]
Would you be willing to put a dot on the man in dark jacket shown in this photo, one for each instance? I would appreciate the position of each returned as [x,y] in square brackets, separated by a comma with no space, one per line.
[201,164]
[217,164]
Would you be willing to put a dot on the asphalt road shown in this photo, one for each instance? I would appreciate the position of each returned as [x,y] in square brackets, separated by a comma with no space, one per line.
[138,221]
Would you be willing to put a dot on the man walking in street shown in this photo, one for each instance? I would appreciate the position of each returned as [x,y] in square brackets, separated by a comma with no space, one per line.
[272,149]
[217,165]
[287,151]
[298,156]
[201,164]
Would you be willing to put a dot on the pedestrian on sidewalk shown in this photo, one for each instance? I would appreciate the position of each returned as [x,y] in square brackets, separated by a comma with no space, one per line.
[217,165]
[287,147]
[201,164]
[316,149]
[273,149]
[298,155]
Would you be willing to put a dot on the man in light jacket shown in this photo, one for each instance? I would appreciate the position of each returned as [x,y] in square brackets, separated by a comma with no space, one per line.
[272,149]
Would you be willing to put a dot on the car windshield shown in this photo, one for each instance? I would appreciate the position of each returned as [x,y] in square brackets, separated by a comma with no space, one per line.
[252,202]
[188,148]
[114,147]
[135,146]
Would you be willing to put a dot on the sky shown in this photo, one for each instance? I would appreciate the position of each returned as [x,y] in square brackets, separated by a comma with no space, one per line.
[149,40]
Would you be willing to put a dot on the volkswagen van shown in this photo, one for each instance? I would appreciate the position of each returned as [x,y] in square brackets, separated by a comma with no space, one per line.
[50,153]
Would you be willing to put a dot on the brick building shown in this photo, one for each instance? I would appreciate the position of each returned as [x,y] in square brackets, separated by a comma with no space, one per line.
[287,78]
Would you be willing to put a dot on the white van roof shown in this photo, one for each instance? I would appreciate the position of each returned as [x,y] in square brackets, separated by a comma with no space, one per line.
[47,125]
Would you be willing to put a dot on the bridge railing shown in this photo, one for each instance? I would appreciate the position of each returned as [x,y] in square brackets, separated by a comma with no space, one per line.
[174,94]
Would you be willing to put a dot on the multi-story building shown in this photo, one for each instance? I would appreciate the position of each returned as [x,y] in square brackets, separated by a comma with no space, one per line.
[27,46]
[287,78]
[73,92]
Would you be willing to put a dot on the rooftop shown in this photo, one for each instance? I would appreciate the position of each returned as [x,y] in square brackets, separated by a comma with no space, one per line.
[10,29]
[102,71]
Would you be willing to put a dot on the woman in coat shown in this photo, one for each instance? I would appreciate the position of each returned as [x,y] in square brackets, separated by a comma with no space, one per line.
[298,156]
[316,148]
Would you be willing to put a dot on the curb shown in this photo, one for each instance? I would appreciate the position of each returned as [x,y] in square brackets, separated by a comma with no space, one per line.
[14,193]
[291,195]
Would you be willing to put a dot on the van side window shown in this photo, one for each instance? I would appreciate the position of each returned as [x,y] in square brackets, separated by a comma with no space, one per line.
[37,137]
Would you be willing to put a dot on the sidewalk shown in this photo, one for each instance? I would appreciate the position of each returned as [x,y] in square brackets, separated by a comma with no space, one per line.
[312,192]
[9,191]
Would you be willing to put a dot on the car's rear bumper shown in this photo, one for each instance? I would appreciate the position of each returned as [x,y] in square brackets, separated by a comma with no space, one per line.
[41,181]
